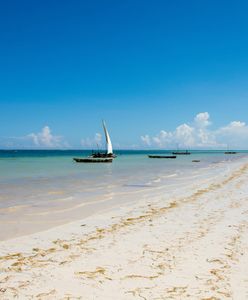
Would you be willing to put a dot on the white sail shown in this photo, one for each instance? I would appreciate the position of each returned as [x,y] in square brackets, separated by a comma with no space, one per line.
[108,141]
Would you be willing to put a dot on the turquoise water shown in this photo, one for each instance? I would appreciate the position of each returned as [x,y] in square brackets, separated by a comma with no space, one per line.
[27,164]
[48,185]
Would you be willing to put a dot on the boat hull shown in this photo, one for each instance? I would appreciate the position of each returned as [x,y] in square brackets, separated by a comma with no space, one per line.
[181,153]
[93,160]
[162,156]
[230,152]
[103,155]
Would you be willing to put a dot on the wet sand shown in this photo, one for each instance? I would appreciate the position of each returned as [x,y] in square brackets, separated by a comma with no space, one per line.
[189,245]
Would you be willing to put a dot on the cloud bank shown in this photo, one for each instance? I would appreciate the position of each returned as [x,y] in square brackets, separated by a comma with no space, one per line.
[92,142]
[199,135]
[45,138]
[41,140]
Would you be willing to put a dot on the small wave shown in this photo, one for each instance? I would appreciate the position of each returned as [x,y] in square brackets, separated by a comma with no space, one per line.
[170,176]
[108,197]
[138,185]
[157,180]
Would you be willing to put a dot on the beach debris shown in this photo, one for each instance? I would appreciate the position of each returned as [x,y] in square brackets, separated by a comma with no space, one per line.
[92,274]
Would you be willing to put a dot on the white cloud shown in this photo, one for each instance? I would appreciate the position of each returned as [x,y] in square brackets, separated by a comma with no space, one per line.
[44,139]
[98,138]
[185,135]
[92,142]
[146,139]
[235,133]
[163,138]
[235,126]
[202,119]
[199,135]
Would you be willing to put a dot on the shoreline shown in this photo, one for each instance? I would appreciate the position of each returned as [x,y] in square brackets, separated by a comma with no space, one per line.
[140,250]
[128,206]
[29,218]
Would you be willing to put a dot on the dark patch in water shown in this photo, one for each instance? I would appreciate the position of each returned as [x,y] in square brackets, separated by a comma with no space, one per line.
[137,185]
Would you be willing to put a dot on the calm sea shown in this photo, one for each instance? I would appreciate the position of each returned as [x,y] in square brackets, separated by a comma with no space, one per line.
[40,189]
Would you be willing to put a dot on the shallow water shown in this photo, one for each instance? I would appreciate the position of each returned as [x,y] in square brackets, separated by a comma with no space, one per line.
[41,189]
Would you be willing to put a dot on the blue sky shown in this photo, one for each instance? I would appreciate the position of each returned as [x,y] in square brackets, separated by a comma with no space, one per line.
[146,67]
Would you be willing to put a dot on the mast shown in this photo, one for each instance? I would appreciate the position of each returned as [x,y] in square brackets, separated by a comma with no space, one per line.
[108,141]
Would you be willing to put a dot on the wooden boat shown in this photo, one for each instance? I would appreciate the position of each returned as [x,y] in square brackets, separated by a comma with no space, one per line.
[162,156]
[196,160]
[181,152]
[228,151]
[93,160]
[109,152]
[100,157]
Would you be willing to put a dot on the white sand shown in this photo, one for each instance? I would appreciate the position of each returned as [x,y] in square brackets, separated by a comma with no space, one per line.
[193,245]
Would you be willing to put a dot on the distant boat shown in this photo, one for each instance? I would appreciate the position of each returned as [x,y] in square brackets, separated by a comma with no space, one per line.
[162,156]
[181,152]
[230,152]
[100,157]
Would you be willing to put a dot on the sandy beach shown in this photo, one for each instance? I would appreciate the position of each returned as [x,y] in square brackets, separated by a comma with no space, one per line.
[124,150]
[192,244]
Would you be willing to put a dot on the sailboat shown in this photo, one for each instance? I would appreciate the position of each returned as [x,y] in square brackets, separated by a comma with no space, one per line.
[100,156]
[180,152]
[109,151]
[229,152]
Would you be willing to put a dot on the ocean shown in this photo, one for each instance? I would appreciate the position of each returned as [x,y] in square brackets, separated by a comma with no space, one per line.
[40,189]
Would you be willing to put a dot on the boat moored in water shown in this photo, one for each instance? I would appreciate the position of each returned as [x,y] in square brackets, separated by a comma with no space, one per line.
[109,152]
[230,152]
[181,152]
[162,156]
[100,157]
[93,160]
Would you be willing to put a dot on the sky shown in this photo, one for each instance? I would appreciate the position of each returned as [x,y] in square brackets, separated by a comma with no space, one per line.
[162,74]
